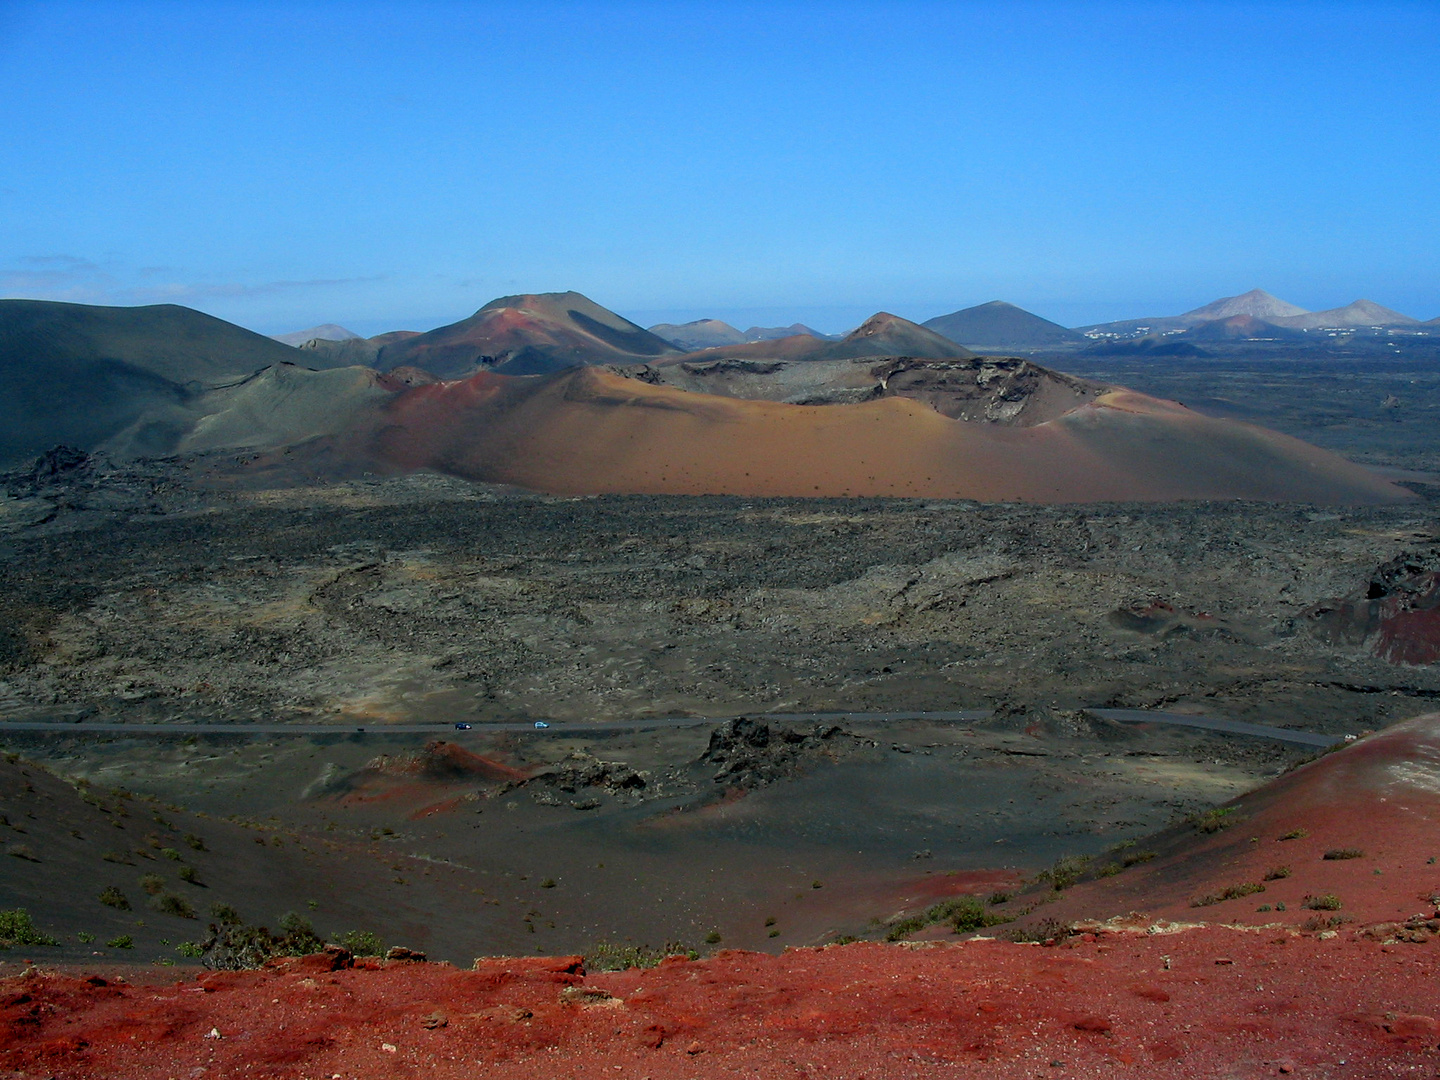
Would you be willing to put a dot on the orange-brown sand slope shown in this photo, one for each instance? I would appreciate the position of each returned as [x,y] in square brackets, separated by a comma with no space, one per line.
[1357,832]
[589,430]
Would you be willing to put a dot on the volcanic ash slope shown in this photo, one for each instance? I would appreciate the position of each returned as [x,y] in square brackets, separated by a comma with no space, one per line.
[594,430]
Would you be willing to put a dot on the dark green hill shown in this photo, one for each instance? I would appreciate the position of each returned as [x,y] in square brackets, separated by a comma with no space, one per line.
[999,326]
[78,374]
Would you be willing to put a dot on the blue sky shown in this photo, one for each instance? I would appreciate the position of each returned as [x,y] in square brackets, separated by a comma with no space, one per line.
[395,166]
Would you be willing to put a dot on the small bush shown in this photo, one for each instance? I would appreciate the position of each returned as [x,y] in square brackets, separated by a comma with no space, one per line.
[1066,872]
[770,920]
[195,842]
[153,884]
[1230,892]
[118,857]
[22,851]
[224,914]
[1276,873]
[1296,834]
[191,949]
[1212,821]
[170,853]
[1109,870]
[17,928]
[191,875]
[113,897]
[1135,858]
[167,903]
[1000,897]
[611,957]
[1322,922]
[548,883]
[1326,902]
[361,943]
[712,938]
[774,933]
[1344,853]
[963,913]
[1041,932]
[124,941]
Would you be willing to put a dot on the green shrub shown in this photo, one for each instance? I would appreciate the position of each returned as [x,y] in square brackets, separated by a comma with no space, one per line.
[361,943]
[224,914]
[1041,932]
[963,913]
[1212,821]
[191,949]
[17,928]
[1296,834]
[124,941]
[1109,870]
[548,883]
[998,897]
[770,920]
[195,842]
[1344,853]
[191,875]
[170,853]
[118,857]
[1276,873]
[1135,858]
[1325,902]
[607,956]
[167,903]
[113,897]
[1066,872]
[1230,892]
[712,938]
[153,884]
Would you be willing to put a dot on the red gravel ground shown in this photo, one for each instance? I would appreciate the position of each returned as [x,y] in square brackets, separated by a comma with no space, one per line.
[1199,1002]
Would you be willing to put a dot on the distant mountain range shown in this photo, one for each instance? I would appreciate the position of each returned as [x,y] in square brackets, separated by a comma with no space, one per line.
[997,326]
[555,393]
[1265,313]
[712,333]
[326,332]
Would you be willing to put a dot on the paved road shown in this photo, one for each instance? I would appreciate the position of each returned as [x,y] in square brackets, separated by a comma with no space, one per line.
[556,727]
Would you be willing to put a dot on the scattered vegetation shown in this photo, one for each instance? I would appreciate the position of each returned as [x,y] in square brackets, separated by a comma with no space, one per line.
[22,851]
[1135,858]
[190,949]
[361,943]
[1276,873]
[548,883]
[236,947]
[17,928]
[607,956]
[195,842]
[1109,870]
[1344,853]
[110,896]
[191,875]
[962,913]
[1066,872]
[167,903]
[712,938]
[1230,892]
[999,897]
[1323,922]
[224,914]
[170,853]
[153,884]
[118,857]
[1044,931]
[1296,834]
[1212,821]
[124,941]
[1325,902]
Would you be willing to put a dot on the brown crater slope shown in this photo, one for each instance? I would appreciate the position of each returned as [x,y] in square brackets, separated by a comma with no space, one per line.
[526,335]
[591,431]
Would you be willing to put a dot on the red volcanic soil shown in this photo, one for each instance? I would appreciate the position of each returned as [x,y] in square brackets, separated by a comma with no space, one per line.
[434,779]
[1195,1003]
